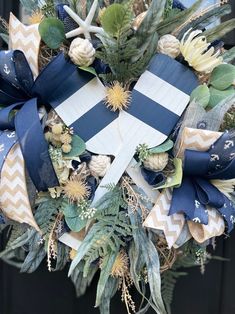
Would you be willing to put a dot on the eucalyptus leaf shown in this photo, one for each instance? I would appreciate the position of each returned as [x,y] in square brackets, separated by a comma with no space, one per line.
[89,70]
[166,146]
[223,76]
[201,94]
[217,95]
[110,290]
[52,32]
[76,224]
[70,210]
[78,147]
[229,55]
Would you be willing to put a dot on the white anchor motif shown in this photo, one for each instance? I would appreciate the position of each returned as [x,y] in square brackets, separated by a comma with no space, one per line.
[197,204]
[2,147]
[232,219]
[214,157]
[232,156]
[6,69]
[228,144]
[11,135]
[197,220]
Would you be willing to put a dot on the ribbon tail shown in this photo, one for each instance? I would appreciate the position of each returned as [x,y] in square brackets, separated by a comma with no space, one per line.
[34,147]
[228,213]
[13,191]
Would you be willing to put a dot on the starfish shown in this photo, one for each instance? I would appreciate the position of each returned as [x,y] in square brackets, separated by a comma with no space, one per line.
[85,27]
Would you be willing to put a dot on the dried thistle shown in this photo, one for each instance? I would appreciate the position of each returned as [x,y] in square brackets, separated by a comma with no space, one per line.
[52,241]
[76,189]
[120,270]
[134,199]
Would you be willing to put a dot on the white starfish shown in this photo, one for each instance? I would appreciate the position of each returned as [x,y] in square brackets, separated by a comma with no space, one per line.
[85,27]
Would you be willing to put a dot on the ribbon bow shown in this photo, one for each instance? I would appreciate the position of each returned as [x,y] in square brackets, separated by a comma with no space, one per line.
[196,191]
[19,91]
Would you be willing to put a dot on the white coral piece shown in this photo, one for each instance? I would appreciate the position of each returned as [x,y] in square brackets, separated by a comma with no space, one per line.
[82,52]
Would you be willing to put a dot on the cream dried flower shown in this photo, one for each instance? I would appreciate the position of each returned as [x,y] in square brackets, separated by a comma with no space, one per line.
[82,52]
[225,186]
[169,45]
[194,48]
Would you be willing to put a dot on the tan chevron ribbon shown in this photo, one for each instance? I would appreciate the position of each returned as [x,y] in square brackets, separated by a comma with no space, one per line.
[215,227]
[26,39]
[158,219]
[196,139]
[14,200]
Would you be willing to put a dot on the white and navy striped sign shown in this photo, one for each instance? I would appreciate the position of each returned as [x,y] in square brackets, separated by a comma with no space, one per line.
[158,100]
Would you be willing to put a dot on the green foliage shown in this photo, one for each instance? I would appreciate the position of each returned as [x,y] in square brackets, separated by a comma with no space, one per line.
[223,76]
[122,51]
[164,147]
[170,24]
[30,5]
[201,94]
[78,147]
[229,120]
[116,19]
[216,96]
[48,9]
[72,215]
[5,37]
[146,34]
[168,8]
[169,278]
[229,55]
[52,32]
[206,18]
[107,233]
[143,152]
[144,253]
[220,30]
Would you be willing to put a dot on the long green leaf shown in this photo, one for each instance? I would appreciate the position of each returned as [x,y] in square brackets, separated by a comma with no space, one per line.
[168,25]
[206,19]
[220,30]
[104,276]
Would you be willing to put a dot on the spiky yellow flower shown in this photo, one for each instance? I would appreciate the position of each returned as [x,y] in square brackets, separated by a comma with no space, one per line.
[36,17]
[194,48]
[72,254]
[76,189]
[120,266]
[117,98]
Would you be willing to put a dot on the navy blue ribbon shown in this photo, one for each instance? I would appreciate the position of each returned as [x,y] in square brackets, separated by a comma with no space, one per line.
[196,192]
[18,91]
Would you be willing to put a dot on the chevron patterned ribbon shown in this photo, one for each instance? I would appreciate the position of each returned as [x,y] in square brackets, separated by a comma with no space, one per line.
[14,200]
[214,228]
[26,39]
[158,219]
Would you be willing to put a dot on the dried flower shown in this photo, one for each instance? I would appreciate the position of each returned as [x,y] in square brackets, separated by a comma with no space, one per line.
[120,266]
[194,49]
[225,186]
[57,129]
[66,148]
[99,165]
[66,138]
[156,162]
[169,45]
[72,254]
[76,189]
[36,17]
[117,98]
[82,52]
